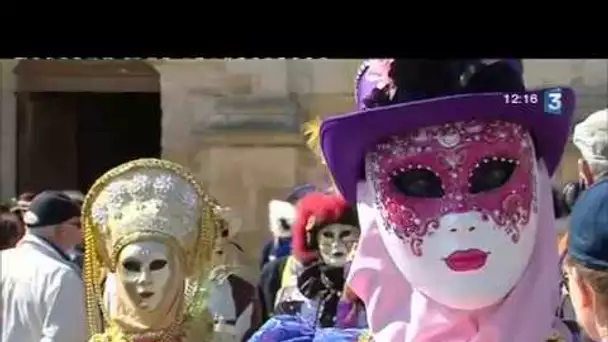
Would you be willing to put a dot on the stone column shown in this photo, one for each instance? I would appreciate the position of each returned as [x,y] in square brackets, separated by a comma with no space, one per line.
[8,129]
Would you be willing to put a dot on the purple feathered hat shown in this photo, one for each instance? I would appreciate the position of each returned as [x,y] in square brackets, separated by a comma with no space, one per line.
[396,96]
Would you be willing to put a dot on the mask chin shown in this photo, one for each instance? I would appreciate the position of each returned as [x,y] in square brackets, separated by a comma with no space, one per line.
[337,261]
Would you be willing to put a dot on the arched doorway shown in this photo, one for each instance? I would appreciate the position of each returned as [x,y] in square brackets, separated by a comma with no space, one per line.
[76,119]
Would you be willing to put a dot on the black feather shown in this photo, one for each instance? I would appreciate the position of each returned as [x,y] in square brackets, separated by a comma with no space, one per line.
[417,79]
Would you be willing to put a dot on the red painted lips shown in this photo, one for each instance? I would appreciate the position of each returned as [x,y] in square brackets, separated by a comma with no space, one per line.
[467,260]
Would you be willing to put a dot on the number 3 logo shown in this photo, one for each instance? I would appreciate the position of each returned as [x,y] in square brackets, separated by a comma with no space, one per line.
[553,101]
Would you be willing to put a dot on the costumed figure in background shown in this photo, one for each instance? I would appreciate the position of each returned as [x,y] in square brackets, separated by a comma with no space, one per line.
[325,232]
[233,296]
[151,225]
[450,171]
[280,268]
[281,215]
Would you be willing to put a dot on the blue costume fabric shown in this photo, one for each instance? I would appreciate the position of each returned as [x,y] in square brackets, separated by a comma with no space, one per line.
[288,328]
[300,319]
[276,249]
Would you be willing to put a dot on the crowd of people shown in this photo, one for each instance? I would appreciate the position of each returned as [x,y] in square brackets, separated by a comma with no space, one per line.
[441,224]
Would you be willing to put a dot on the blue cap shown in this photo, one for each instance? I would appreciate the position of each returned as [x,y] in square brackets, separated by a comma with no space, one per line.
[588,235]
[297,193]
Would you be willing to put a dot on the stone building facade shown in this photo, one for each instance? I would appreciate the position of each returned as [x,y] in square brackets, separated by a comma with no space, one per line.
[236,123]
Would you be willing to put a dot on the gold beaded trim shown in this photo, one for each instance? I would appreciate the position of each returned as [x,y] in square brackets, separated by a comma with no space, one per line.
[198,262]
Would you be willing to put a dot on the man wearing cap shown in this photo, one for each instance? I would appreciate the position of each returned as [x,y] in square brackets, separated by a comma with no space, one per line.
[42,292]
[586,260]
[591,138]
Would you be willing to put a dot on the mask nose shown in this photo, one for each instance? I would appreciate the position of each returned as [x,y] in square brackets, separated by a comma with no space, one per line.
[145,278]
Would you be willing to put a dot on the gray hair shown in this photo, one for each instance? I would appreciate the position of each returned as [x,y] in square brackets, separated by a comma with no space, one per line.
[591,138]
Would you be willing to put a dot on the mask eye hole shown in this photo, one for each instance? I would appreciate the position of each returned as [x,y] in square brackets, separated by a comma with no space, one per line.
[157,264]
[132,265]
[328,234]
[490,175]
[345,234]
[418,183]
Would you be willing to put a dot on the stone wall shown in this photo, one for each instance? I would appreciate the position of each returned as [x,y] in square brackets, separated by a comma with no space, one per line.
[8,129]
[246,168]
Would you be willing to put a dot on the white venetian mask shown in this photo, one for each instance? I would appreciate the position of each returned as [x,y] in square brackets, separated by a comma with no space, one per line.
[335,243]
[457,209]
[144,269]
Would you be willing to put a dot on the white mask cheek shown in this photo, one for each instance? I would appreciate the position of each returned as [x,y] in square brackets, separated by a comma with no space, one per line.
[325,244]
[400,253]
[129,280]
[369,211]
[159,280]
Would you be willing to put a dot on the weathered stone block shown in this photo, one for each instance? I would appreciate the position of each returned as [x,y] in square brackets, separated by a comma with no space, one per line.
[334,75]
[269,167]
[563,71]
[269,76]
[323,105]
[247,114]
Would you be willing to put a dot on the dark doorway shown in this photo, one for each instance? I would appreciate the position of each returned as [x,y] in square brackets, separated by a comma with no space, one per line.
[68,139]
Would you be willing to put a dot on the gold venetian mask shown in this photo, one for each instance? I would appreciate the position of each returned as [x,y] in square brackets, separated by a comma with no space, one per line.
[151,224]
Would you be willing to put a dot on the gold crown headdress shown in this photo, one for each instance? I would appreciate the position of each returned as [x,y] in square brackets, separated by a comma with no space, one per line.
[146,198]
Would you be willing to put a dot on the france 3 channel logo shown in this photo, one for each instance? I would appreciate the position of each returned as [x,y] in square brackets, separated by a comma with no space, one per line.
[553,101]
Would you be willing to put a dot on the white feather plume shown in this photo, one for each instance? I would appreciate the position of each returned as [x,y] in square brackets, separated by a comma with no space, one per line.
[278,210]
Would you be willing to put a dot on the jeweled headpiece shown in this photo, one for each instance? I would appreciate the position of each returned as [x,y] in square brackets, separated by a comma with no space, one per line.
[147,198]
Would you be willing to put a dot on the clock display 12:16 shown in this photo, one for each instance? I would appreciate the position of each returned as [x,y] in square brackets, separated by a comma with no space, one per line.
[515,98]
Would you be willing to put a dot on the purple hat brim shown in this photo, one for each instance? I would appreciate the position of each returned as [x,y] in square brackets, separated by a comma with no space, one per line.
[345,139]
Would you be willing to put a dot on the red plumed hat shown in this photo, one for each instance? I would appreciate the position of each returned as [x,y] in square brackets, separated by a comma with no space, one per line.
[313,212]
